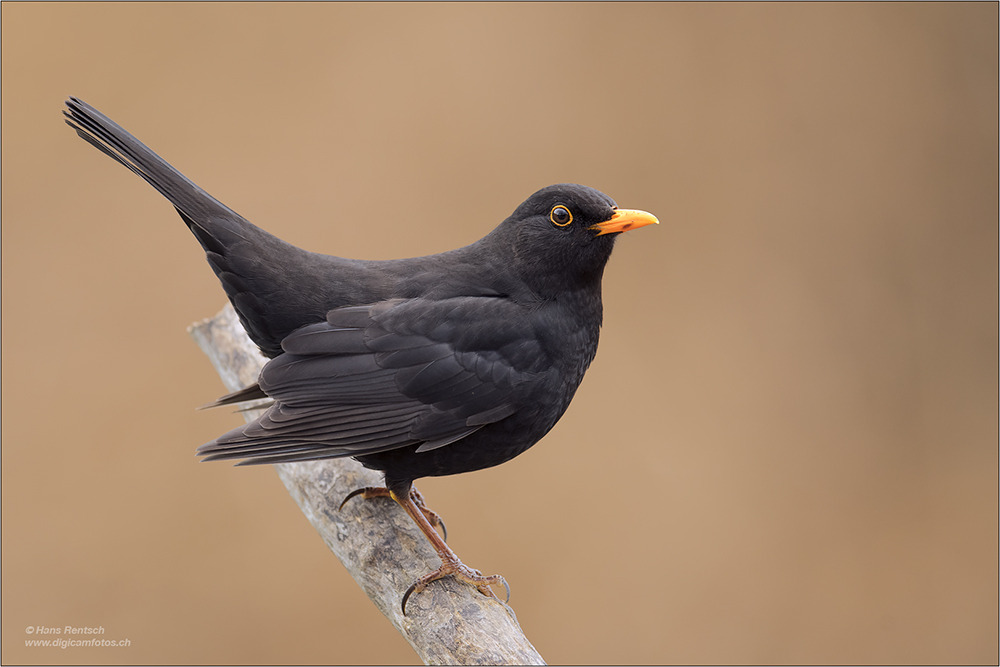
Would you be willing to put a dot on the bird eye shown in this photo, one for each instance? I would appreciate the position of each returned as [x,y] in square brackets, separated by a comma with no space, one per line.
[560,216]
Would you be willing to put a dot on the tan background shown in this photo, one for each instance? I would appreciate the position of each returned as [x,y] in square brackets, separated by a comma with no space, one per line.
[786,450]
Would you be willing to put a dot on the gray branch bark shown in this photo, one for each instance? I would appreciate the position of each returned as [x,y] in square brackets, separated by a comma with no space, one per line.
[446,623]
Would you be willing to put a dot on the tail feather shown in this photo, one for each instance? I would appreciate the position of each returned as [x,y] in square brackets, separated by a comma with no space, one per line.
[116,142]
[248,261]
[251,393]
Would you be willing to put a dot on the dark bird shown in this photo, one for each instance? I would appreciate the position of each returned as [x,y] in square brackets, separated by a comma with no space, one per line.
[416,367]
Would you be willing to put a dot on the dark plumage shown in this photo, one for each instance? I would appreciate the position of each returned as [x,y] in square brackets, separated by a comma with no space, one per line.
[417,367]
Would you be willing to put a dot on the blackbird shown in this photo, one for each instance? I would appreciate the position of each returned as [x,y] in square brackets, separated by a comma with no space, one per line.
[415,367]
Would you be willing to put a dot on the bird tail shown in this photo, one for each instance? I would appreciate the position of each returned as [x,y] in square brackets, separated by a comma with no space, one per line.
[196,205]
[247,260]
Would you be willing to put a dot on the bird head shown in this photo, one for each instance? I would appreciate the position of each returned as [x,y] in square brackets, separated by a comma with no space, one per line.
[562,236]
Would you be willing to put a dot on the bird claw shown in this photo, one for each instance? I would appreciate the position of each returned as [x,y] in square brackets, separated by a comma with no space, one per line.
[363,491]
[461,572]
[427,519]
[368,492]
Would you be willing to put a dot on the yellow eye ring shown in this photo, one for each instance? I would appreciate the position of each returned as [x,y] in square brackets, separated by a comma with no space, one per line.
[560,216]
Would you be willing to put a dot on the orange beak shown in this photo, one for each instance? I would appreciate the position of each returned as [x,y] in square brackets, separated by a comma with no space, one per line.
[624,220]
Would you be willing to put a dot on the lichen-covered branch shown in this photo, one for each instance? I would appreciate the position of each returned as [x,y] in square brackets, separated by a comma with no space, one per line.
[448,622]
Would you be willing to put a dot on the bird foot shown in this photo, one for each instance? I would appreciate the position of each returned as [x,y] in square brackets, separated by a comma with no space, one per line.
[369,492]
[426,519]
[462,572]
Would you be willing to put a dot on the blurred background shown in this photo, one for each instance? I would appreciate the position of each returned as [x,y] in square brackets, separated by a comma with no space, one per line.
[785,451]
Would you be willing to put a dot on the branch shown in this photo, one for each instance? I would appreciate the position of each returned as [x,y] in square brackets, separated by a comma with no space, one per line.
[448,622]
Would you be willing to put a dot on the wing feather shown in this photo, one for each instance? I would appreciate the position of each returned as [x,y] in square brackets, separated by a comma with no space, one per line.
[393,374]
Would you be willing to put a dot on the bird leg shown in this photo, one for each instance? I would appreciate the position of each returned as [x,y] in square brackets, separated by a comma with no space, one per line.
[368,492]
[451,566]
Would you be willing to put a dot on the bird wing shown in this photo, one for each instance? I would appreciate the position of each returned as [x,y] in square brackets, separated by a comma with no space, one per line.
[389,375]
